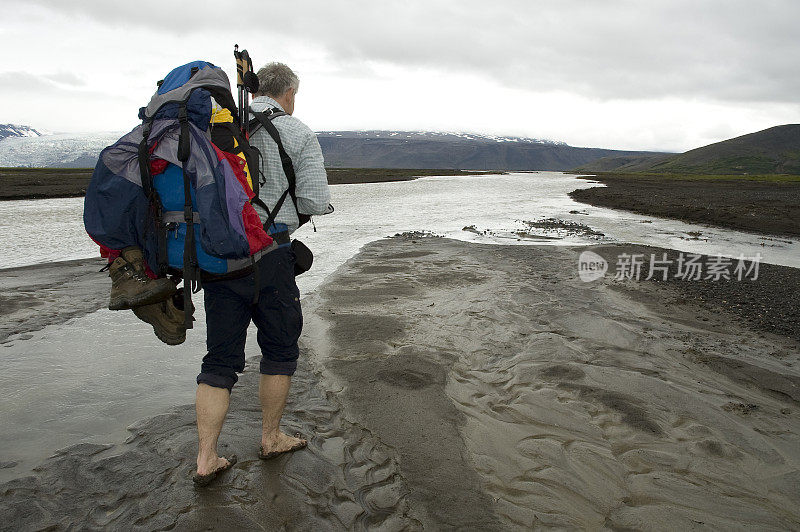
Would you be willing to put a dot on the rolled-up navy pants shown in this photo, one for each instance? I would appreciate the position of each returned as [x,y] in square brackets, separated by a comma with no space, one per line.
[276,313]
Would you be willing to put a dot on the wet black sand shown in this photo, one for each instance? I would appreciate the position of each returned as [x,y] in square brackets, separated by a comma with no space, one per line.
[768,304]
[32,297]
[756,206]
[477,338]
[345,479]
[37,183]
[453,385]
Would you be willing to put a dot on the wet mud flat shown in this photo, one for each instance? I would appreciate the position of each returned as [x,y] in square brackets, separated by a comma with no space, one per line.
[32,297]
[588,405]
[757,206]
[543,230]
[36,183]
[765,297]
[345,479]
[452,385]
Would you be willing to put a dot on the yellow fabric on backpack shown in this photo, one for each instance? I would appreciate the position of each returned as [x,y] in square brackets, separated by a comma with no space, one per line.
[221,115]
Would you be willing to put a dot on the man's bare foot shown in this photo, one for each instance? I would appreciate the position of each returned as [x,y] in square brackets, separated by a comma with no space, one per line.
[279,443]
[210,469]
[210,465]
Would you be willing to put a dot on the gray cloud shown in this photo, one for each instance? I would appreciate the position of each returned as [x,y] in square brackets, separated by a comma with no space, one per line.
[729,50]
[16,82]
[66,78]
[25,82]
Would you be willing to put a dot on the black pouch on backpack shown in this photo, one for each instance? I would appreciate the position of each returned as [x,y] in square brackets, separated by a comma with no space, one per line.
[303,257]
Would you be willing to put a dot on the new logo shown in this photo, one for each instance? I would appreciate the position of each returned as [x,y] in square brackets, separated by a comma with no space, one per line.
[591,266]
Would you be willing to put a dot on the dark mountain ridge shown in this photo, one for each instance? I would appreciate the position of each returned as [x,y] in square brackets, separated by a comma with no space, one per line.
[775,150]
[404,149]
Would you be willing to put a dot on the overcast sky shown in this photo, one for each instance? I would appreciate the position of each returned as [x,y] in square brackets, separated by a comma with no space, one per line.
[653,75]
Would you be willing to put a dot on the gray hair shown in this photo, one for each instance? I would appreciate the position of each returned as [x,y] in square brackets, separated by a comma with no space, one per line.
[274,79]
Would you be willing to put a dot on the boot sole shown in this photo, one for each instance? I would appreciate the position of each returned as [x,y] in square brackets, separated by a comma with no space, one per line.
[166,338]
[169,340]
[127,303]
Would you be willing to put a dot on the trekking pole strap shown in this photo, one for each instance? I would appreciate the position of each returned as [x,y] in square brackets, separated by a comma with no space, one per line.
[190,266]
[254,166]
[144,160]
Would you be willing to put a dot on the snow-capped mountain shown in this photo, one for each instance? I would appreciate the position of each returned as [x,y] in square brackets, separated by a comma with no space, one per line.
[436,136]
[469,151]
[16,130]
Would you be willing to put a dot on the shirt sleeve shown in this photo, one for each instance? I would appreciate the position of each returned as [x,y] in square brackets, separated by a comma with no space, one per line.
[313,194]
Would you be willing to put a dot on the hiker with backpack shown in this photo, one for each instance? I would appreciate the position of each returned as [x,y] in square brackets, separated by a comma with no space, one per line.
[185,196]
[274,305]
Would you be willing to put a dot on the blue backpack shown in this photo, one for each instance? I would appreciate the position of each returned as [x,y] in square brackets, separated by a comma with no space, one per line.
[187,219]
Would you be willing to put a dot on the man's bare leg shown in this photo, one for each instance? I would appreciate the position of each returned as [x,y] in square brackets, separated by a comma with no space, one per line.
[272,391]
[212,407]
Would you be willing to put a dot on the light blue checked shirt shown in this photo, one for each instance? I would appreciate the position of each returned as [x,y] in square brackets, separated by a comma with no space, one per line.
[313,195]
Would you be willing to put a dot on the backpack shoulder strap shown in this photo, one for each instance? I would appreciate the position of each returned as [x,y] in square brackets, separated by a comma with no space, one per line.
[264,119]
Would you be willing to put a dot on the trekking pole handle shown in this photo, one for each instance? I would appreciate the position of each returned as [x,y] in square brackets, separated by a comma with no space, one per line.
[240,66]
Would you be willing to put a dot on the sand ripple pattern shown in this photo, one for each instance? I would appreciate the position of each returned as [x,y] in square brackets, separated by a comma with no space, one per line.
[344,480]
[590,406]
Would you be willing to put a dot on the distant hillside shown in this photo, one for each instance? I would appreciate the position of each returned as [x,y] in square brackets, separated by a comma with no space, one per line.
[772,151]
[624,163]
[404,149]
[15,130]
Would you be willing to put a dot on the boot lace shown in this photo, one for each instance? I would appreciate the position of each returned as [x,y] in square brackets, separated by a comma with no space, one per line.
[134,273]
[139,276]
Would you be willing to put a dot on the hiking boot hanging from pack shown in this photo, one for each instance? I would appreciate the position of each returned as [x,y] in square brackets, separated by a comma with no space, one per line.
[167,319]
[130,285]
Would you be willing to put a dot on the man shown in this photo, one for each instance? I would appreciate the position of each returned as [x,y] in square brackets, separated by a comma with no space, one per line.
[268,296]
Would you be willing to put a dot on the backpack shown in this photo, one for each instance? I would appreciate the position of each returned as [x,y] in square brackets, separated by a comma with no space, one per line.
[168,189]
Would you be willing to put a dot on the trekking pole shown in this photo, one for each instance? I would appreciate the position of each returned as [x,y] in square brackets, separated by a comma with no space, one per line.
[240,69]
[246,82]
